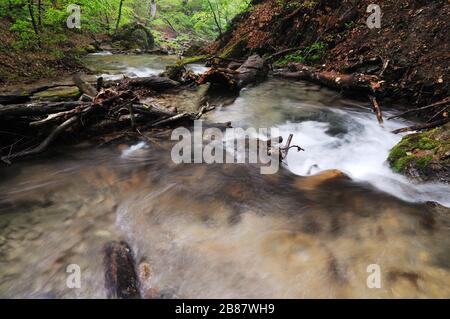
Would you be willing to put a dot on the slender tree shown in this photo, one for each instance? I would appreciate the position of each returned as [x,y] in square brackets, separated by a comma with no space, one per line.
[215,18]
[33,20]
[120,16]
[40,13]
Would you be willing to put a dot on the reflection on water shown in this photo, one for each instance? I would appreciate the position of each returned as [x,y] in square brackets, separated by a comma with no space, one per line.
[212,230]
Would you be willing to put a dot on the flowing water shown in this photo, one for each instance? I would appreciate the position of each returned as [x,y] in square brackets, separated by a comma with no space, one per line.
[115,66]
[227,231]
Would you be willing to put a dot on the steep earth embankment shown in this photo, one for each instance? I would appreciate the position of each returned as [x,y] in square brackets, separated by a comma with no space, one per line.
[409,51]
[408,55]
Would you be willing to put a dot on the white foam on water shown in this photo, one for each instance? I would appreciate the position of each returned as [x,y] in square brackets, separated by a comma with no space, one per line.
[101,53]
[361,153]
[130,151]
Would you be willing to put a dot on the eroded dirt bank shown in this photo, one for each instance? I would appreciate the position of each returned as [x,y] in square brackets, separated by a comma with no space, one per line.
[409,51]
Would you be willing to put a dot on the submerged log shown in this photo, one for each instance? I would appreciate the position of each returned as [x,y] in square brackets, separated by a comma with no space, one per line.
[121,280]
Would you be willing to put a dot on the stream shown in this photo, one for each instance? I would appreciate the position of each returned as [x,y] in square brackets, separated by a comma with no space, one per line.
[224,230]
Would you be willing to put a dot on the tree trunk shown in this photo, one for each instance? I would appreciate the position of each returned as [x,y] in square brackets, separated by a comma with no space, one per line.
[40,13]
[33,21]
[120,16]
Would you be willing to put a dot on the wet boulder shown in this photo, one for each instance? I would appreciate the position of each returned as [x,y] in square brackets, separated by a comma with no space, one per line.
[423,157]
[254,70]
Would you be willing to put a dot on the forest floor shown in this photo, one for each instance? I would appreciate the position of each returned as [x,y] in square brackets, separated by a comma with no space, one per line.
[25,65]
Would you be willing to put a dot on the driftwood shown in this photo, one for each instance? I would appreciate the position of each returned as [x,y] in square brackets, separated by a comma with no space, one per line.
[37,108]
[113,108]
[376,109]
[332,79]
[121,280]
[442,102]
[420,127]
[45,144]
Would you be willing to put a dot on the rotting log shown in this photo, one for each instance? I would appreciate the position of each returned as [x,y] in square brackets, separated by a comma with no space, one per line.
[33,109]
[334,80]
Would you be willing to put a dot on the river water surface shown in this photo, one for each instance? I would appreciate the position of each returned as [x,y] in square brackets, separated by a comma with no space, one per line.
[210,231]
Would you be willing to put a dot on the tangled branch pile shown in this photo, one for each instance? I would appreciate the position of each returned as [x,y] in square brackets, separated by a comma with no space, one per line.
[114,106]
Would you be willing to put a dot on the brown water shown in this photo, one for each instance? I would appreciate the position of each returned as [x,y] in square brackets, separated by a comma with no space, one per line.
[210,231]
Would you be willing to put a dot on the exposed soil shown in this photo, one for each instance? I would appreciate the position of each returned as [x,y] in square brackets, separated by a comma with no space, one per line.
[412,42]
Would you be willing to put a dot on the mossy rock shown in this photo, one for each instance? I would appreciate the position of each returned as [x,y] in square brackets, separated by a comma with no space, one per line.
[58,93]
[133,36]
[423,156]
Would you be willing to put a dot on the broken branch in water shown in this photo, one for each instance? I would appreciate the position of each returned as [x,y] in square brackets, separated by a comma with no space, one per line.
[376,108]
[113,108]
[44,145]
[285,150]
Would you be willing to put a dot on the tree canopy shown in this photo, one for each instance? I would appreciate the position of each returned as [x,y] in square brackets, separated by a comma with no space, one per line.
[44,21]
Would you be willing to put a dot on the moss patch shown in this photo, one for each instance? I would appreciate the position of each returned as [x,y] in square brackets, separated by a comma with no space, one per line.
[193,59]
[58,93]
[235,50]
[421,153]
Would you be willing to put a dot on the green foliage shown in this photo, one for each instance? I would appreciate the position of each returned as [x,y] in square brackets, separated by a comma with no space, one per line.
[311,54]
[185,18]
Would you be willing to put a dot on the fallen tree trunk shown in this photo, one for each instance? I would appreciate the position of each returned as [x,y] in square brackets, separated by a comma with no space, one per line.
[38,108]
[332,79]
[13,99]
[443,102]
